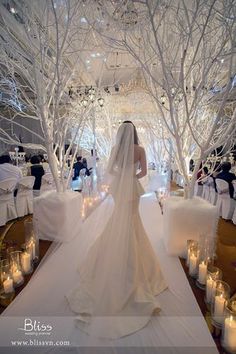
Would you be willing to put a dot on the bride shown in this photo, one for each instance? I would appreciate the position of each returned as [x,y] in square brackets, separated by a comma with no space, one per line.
[120,276]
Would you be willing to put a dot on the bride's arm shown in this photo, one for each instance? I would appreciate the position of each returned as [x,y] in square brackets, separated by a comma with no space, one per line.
[143,164]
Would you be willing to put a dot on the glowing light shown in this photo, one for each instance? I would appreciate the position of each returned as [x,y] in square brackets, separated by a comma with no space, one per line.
[83,20]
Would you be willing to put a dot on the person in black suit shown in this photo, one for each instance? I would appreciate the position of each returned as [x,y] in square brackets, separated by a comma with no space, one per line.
[78,166]
[227,176]
[37,171]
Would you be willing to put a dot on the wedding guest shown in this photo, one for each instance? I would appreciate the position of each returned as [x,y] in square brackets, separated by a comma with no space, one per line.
[78,166]
[37,171]
[227,176]
[8,170]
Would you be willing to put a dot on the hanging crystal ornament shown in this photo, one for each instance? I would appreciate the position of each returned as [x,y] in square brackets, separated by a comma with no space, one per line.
[124,14]
[137,83]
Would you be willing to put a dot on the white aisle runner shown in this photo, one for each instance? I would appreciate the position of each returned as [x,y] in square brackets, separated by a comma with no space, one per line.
[180,327]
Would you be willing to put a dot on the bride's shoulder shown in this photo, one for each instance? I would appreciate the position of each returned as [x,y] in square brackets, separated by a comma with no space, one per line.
[139,148]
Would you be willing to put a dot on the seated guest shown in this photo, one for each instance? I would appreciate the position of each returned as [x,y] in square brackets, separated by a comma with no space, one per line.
[37,171]
[7,170]
[227,176]
[78,166]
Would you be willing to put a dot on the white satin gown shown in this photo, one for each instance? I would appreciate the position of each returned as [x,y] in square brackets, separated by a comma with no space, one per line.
[119,279]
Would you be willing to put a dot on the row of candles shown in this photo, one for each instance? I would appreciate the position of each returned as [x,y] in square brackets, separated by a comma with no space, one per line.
[91,201]
[217,292]
[18,263]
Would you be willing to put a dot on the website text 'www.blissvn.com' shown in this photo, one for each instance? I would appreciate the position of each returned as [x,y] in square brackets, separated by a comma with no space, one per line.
[39,343]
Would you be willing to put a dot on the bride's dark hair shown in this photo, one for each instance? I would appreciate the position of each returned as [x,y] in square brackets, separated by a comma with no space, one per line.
[136,141]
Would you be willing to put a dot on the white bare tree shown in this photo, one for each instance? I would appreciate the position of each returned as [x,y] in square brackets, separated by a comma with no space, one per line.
[40,46]
[187,52]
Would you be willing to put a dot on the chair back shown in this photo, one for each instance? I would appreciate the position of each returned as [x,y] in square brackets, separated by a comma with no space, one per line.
[7,185]
[211,182]
[26,183]
[47,183]
[222,186]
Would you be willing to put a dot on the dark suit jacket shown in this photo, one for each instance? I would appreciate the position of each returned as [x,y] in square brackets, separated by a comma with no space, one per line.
[78,166]
[37,171]
[228,177]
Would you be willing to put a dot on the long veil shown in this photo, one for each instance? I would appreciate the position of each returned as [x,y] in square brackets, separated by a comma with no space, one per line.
[115,295]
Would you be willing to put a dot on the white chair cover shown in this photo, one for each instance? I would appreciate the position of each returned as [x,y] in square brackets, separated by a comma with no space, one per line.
[7,203]
[225,204]
[212,192]
[24,197]
[47,183]
[206,188]
[198,189]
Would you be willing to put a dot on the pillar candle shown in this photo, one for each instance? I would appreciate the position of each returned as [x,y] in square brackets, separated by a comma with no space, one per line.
[202,272]
[210,289]
[26,262]
[219,308]
[8,286]
[17,276]
[230,333]
[192,264]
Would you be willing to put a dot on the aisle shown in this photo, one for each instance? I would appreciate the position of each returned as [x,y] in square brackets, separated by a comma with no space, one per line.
[180,328]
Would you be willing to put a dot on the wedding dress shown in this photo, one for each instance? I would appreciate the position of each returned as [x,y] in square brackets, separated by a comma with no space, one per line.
[120,276]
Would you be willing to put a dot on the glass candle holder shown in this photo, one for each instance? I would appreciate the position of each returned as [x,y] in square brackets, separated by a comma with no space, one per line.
[31,240]
[222,293]
[207,245]
[190,244]
[7,286]
[228,338]
[193,261]
[16,270]
[213,274]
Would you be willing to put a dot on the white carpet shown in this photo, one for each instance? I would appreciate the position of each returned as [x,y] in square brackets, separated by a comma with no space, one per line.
[180,327]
